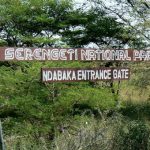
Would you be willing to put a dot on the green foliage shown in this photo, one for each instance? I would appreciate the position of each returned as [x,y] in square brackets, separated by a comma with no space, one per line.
[115,133]
[3,42]
[142,78]
[40,108]
[37,23]
[137,136]
[86,133]
[24,142]
[21,20]
[136,111]
[95,27]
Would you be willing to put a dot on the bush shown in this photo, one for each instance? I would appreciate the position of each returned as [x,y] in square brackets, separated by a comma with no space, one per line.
[115,133]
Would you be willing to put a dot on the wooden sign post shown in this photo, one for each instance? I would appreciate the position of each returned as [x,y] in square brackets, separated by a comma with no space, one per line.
[2,147]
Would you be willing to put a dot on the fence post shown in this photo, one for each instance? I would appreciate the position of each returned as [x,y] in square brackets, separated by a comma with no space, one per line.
[1,138]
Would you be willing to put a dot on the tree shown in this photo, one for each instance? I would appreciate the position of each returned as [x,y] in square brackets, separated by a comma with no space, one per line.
[33,23]
[97,28]
[134,15]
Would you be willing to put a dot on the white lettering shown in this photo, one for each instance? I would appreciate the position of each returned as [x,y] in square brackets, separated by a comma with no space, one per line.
[18,54]
[9,54]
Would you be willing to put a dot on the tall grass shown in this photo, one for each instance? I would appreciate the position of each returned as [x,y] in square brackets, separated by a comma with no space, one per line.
[115,133]
[110,133]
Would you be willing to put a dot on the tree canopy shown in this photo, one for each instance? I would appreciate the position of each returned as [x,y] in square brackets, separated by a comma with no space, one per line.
[51,23]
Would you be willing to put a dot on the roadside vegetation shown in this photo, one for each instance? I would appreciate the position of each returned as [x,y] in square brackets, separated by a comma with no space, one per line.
[79,115]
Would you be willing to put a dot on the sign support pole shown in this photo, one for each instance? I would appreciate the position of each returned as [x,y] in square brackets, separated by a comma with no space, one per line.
[2,147]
